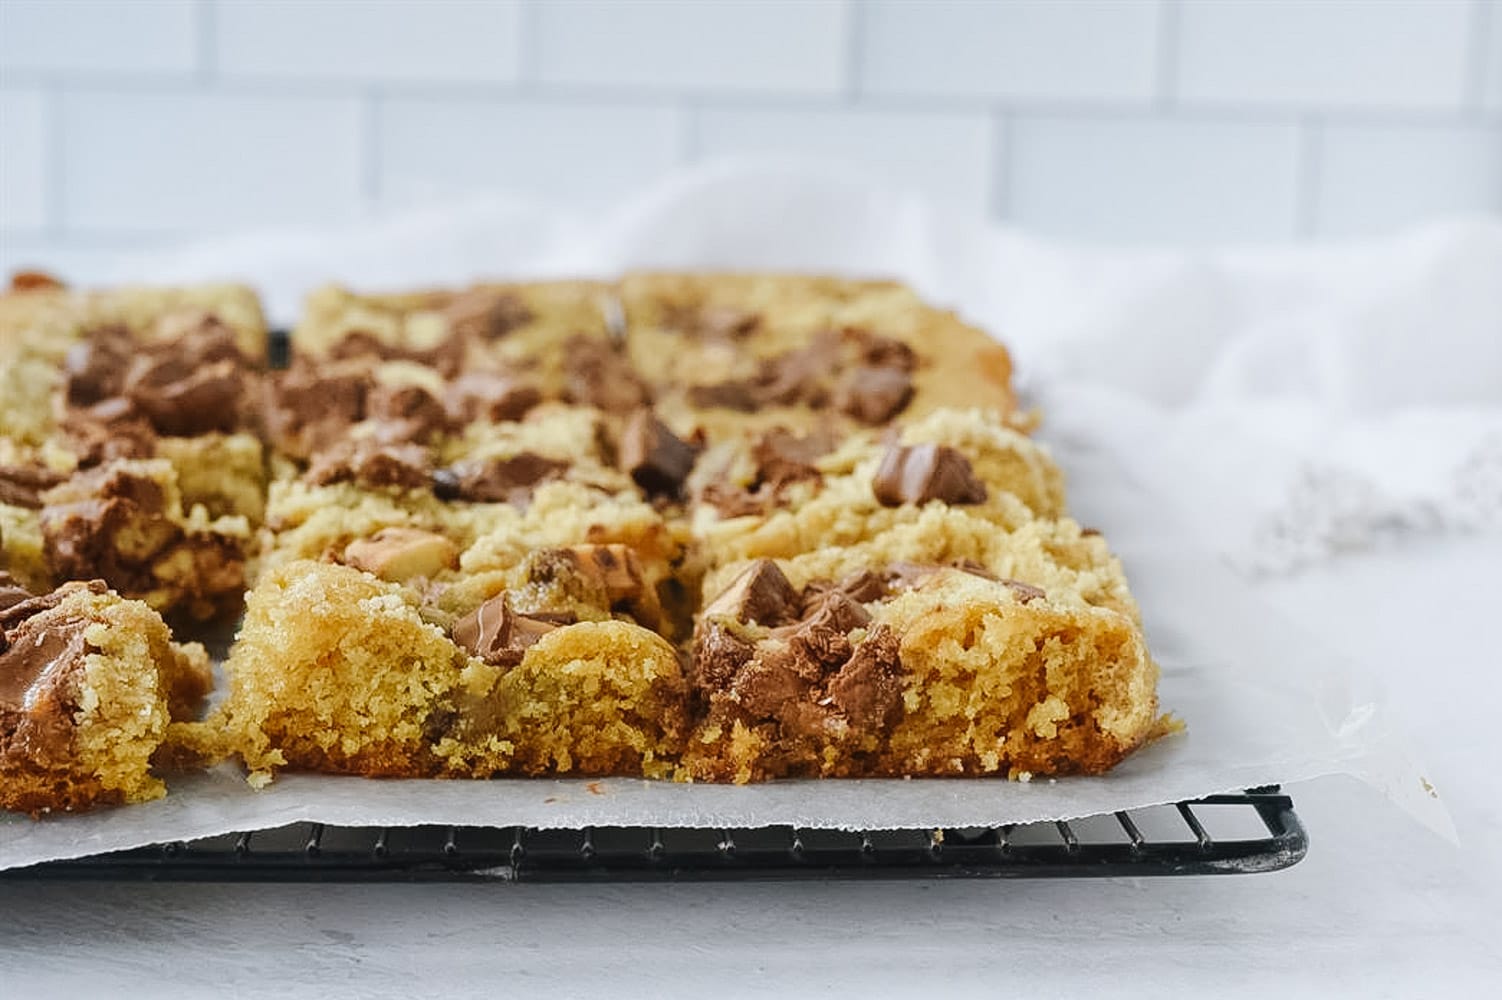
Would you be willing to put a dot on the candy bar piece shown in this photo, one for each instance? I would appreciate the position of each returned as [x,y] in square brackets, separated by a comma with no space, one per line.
[89,686]
[943,672]
[920,473]
[656,459]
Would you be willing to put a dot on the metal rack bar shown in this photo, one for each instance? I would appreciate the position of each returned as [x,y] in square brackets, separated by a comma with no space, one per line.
[313,852]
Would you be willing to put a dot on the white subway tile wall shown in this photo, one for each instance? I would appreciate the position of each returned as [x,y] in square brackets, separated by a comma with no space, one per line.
[1087,50]
[126,123]
[576,153]
[1162,181]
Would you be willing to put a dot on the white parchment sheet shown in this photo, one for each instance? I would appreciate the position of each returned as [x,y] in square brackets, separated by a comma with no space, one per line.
[1263,703]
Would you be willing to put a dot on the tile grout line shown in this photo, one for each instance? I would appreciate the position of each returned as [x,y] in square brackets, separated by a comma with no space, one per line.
[1310,165]
[526,49]
[206,36]
[1166,69]
[855,28]
[1474,98]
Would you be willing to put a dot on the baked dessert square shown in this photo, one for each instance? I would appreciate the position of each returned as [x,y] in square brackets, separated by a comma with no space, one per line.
[90,688]
[703,527]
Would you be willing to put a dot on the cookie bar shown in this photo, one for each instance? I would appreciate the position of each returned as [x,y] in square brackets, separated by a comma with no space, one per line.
[778,494]
[42,313]
[90,685]
[908,669]
[513,328]
[336,670]
[761,350]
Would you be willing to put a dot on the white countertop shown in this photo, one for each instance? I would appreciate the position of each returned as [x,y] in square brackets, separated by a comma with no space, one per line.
[1379,908]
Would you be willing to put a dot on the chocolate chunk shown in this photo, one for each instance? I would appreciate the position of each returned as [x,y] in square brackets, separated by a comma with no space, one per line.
[863,586]
[877,351]
[868,688]
[799,375]
[406,413]
[499,635]
[822,638]
[446,357]
[1089,532]
[94,368]
[924,472]
[11,594]
[23,485]
[190,381]
[761,593]
[874,395]
[712,322]
[719,656]
[109,523]
[490,396]
[783,458]
[596,373]
[508,480]
[656,458]
[736,501]
[35,672]
[737,394]
[1025,592]
[400,554]
[765,685]
[308,409]
[18,604]
[485,313]
[593,574]
[372,463]
[107,430]
[181,398]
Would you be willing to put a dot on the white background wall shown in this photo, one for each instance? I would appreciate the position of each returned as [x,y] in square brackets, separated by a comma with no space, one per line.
[125,123]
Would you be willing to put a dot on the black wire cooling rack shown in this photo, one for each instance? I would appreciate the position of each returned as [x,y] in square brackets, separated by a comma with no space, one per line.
[1256,831]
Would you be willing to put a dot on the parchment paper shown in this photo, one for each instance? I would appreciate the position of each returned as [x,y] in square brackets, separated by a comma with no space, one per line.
[1263,703]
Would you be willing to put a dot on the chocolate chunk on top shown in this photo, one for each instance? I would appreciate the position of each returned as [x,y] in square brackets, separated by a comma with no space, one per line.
[656,458]
[23,485]
[39,658]
[490,396]
[499,635]
[923,472]
[485,313]
[498,480]
[608,574]
[94,368]
[400,554]
[406,413]
[308,408]
[868,688]
[874,395]
[597,373]
[761,594]
[375,464]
